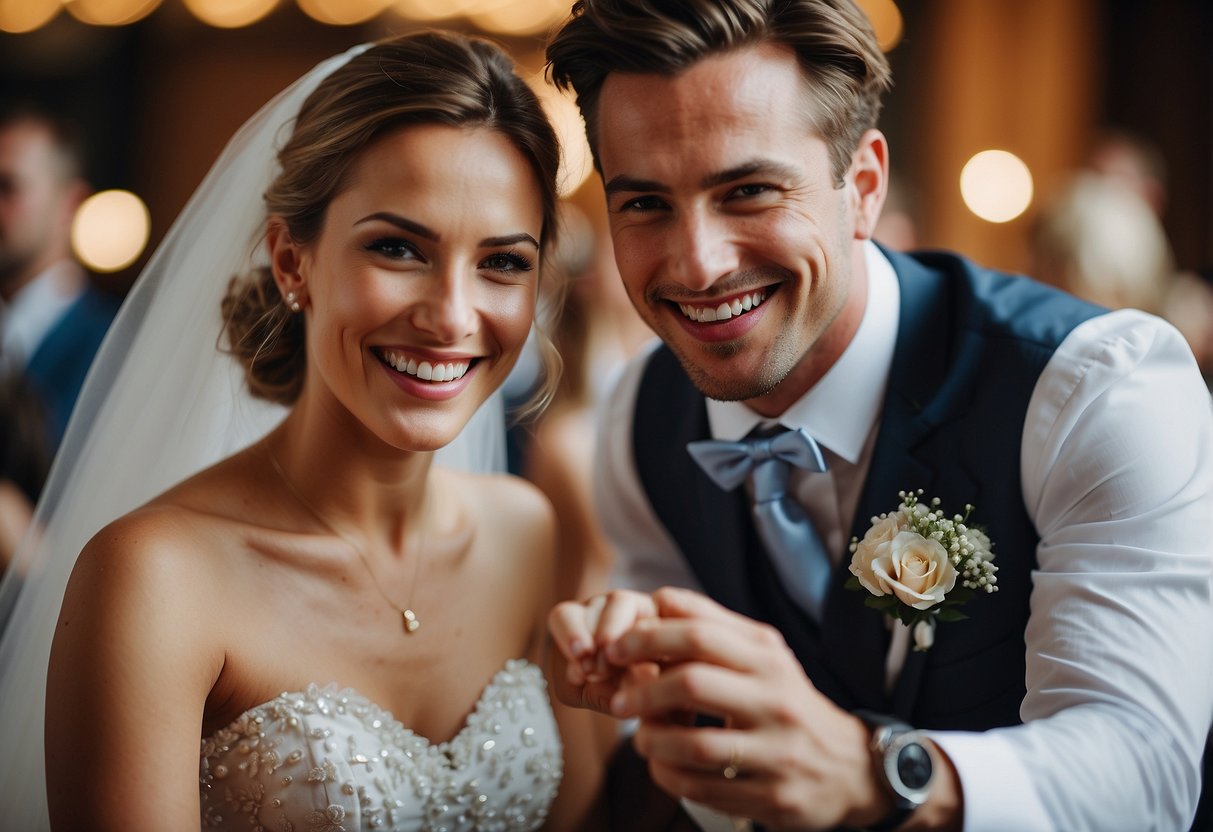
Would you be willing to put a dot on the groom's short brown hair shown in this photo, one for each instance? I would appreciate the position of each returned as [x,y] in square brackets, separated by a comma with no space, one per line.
[833,40]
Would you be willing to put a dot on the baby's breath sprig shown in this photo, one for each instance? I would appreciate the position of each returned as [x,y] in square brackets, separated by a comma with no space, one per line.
[912,559]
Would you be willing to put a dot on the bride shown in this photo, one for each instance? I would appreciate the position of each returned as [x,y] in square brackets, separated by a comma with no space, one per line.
[323,630]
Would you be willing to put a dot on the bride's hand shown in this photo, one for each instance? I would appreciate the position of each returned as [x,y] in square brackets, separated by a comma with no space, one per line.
[582,632]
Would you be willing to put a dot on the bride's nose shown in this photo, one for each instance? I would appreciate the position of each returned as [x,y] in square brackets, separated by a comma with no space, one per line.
[446,310]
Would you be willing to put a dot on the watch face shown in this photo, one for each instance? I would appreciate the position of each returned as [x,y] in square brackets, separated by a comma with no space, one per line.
[914,766]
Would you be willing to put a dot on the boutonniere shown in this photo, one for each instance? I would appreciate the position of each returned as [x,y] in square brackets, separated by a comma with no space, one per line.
[919,565]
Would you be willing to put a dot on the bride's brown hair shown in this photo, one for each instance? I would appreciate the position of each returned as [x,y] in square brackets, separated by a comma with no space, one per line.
[426,78]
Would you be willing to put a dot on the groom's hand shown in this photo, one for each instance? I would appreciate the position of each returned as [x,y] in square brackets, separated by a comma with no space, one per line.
[786,755]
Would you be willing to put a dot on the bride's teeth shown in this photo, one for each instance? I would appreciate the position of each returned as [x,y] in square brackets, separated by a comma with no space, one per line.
[426,370]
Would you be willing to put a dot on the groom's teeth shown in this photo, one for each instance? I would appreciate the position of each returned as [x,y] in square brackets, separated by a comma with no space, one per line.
[426,370]
[725,311]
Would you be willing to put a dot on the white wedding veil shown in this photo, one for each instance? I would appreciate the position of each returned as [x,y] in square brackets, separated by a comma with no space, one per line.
[160,403]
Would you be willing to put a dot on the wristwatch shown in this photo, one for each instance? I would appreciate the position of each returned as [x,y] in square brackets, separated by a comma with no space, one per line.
[903,765]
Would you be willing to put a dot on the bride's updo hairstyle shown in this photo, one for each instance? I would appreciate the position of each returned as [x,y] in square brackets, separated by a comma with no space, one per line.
[426,78]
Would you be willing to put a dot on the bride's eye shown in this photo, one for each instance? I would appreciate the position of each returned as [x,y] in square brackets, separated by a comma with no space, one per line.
[507,262]
[394,248]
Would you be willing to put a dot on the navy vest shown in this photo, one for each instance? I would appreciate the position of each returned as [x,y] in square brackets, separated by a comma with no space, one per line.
[60,363]
[971,344]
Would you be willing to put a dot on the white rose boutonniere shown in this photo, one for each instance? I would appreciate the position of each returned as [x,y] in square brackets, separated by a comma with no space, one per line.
[919,565]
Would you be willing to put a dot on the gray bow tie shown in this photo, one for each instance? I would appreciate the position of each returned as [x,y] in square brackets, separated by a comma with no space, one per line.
[790,539]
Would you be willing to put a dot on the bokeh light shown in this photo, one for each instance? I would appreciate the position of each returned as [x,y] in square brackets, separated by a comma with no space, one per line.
[996,185]
[110,230]
[19,16]
[230,14]
[576,163]
[886,20]
[428,11]
[518,17]
[111,12]
[342,12]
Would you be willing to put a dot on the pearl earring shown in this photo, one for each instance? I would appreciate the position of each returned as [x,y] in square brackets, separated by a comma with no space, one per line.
[292,303]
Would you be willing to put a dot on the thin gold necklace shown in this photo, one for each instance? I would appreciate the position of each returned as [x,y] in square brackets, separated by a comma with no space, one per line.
[411,622]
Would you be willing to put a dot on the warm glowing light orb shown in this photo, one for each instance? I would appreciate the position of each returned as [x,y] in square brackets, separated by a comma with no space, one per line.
[576,162]
[432,10]
[342,12]
[110,230]
[886,21]
[996,185]
[111,12]
[19,16]
[519,17]
[230,14]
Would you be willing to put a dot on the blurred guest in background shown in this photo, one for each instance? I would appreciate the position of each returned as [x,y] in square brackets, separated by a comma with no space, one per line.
[1133,162]
[1102,238]
[1101,241]
[52,318]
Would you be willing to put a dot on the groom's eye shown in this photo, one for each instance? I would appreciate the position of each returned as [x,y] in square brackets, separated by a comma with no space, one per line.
[751,189]
[643,203]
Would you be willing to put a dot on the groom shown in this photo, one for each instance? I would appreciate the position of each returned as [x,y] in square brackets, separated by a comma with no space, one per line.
[744,174]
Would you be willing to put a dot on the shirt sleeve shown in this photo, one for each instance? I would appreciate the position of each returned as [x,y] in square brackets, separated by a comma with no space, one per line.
[1117,473]
[646,557]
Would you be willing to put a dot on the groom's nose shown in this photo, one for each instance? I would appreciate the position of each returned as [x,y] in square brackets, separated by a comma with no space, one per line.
[699,251]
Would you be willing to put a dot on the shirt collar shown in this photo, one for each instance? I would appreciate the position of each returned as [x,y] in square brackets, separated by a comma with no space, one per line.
[840,410]
[37,307]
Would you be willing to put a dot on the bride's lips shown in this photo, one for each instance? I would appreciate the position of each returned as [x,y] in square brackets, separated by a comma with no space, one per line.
[425,375]
[724,318]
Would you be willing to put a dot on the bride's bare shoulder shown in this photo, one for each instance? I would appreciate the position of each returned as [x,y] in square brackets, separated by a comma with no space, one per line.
[502,504]
[185,527]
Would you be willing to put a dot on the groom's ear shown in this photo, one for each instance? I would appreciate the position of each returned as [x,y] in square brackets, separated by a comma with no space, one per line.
[868,181]
[286,258]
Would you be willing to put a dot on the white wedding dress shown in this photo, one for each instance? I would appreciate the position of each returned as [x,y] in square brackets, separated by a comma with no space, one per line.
[324,760]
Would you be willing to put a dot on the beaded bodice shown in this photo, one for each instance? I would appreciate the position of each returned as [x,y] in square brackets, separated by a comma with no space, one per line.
[325,760]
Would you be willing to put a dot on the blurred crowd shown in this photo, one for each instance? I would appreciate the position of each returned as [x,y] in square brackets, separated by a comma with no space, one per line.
[1101,237]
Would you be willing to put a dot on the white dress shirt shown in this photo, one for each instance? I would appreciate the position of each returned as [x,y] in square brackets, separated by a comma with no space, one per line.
[35,309]
[1117,476]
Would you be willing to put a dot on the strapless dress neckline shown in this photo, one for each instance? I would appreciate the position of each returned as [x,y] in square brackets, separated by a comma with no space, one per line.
[329,759]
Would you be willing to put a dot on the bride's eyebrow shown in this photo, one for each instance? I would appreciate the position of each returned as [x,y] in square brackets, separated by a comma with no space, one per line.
[402,223]
[509,240]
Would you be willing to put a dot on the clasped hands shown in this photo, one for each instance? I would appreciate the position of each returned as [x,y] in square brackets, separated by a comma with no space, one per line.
[783,754]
